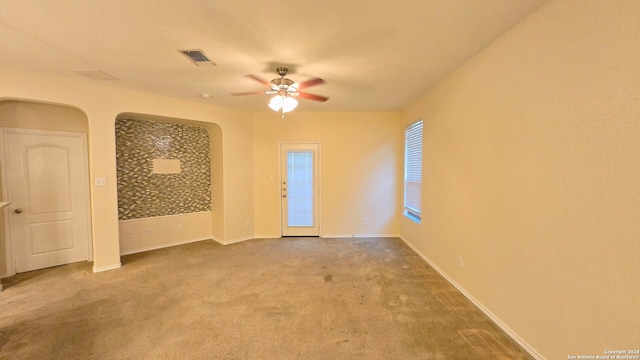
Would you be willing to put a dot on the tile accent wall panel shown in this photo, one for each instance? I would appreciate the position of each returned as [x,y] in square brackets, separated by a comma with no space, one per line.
[142,194]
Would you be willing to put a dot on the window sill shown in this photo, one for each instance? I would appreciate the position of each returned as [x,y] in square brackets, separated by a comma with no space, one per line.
[412,217]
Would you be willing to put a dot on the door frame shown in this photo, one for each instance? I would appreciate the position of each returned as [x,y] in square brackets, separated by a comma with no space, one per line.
[6,191]
[318,175]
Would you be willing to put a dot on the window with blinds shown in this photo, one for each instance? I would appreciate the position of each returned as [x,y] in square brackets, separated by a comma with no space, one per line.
[413,170]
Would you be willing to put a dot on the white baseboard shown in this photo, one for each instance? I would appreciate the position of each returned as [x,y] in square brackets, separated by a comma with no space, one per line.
[358,235]
[229,242]
[479,305]
[135,251]
[239,240]
[276,236]
[217,240]
[106,268]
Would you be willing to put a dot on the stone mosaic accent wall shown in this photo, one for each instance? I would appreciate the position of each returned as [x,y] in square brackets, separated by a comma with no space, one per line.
[142,194]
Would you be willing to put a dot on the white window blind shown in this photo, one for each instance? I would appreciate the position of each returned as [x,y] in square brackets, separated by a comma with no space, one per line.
[413,170]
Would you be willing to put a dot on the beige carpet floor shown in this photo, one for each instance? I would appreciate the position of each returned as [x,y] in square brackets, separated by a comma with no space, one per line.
[290,298]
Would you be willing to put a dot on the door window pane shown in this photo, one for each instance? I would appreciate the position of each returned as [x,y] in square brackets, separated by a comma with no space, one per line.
[300,188]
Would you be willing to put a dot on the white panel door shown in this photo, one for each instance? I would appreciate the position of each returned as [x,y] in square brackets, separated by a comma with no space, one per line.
[299,189]
[48,190]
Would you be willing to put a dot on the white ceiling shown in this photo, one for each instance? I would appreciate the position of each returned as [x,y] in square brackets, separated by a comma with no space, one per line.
[373,55]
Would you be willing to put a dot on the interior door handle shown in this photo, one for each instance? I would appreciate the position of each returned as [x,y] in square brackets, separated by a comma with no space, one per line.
[18,211]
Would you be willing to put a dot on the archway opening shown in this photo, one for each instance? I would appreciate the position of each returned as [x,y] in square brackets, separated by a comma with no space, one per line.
[169,174]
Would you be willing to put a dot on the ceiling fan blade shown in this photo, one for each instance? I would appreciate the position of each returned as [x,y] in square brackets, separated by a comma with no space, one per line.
[248,93]
[304,95]
[261,81]
[309,83]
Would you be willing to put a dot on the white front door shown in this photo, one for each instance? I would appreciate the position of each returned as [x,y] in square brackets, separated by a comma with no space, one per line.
[47,185]
[299,189]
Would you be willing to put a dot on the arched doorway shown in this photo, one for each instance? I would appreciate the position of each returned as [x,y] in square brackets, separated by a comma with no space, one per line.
[45,176]
[169,181]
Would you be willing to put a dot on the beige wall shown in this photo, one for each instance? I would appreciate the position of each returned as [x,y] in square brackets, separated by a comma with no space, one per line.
[361,166]
[42,116]
[101,104]
[39,116]
[217,183]
[531,175]
[238,194]
[146,234]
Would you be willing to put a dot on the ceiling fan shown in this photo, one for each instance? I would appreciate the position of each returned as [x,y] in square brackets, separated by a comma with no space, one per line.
[286,90]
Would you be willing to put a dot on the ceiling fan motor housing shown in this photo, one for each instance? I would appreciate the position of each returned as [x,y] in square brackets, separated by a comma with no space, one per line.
[282,81]
[282,71]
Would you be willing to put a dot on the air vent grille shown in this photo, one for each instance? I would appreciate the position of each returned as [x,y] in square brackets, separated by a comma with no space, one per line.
[197,57]
[95,74]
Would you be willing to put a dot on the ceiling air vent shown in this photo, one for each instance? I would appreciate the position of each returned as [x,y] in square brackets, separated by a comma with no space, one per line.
[197,57]
[95,74]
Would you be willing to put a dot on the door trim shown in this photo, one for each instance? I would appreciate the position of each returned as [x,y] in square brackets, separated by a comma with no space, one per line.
[6,191]
[318,175]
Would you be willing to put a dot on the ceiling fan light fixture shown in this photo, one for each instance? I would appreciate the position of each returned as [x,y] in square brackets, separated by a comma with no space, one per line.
[276,103]
[284,103]
[289,104]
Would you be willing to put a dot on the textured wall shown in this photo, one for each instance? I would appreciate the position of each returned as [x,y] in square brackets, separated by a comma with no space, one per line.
[358,179]
[531,168]
[142,194]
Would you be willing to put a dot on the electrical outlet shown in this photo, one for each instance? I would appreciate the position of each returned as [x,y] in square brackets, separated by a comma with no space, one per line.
[148,232]
[460,262]
[179,227]
[100,181]
[365,221]
[248,223]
